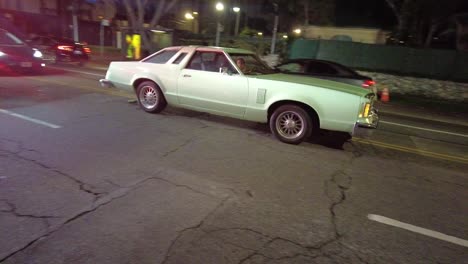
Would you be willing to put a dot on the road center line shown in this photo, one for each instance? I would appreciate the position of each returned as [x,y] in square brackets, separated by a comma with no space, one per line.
[34,120]
[411,150]
[426,129]
[417,229]
[82,72]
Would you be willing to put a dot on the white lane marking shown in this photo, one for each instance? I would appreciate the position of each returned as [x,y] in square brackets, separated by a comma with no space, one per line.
[417,229]
[34,120]
[426,129]
[82,72]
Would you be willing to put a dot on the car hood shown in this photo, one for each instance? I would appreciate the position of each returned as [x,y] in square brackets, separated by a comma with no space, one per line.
[308,80]
[17,50]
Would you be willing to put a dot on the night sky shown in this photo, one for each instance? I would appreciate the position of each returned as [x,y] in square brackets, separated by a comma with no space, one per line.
[364,13]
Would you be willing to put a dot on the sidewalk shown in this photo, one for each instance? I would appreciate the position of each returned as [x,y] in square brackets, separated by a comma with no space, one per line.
[404,108]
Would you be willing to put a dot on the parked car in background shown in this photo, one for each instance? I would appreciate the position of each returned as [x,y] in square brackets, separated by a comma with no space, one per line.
[61,49]
[16,55]
[327,70]
[236,83]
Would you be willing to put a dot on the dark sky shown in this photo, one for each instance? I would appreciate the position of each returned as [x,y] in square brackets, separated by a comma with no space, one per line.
[364,13]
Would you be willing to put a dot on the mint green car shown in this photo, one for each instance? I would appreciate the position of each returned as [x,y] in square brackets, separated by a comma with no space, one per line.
[236,83]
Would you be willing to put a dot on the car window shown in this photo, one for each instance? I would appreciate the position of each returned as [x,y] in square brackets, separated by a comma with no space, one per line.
[252,64]
[292,67]
[315,67]
[212,61]
[6,38]
[180,58]
[343,70]
[161,57]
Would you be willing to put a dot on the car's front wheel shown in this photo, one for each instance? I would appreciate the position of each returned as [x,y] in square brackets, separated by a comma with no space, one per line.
[291,124]
[150,97]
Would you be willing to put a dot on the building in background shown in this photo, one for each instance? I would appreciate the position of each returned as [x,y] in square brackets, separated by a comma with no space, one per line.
[354,34]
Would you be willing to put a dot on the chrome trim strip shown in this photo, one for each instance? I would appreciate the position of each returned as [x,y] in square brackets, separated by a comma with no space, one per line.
[106,83]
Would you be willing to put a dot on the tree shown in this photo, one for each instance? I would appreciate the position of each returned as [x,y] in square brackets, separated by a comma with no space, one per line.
[419,20]
[402,9]
[137,10]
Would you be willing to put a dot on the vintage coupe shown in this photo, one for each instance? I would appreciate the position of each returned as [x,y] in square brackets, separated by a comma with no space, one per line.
[209,79]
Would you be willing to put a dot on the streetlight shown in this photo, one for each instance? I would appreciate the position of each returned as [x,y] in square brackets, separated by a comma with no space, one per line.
[237,11]
[260,33]
[219,8]
[297,31]
[188,16]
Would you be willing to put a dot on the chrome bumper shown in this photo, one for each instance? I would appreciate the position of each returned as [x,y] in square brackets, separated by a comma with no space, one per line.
[106,83]
[371,121]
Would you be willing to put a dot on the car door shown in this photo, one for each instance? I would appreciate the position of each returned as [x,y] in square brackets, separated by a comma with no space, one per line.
[209,82]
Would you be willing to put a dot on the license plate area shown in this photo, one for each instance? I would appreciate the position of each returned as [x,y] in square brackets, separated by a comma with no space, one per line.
[78,52]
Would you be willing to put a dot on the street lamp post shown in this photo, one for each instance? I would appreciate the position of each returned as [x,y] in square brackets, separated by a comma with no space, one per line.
[275,30]
[219,8]
[74,7]
[237,11]
[188,16]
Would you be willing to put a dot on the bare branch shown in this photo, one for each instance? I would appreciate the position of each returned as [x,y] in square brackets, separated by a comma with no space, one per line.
[158,14]
[395,9]
[130,12]
[170,5]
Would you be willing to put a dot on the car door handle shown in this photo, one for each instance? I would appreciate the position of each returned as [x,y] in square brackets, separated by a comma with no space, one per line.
[187,75]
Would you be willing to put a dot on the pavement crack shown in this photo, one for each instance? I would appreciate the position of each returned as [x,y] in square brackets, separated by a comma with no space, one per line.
[178,147]
[181,232]
[248,257]
[13,210]
[81,185]
[120,193]
[176,185]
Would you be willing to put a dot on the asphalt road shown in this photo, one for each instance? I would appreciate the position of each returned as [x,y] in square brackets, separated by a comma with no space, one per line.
[86,177]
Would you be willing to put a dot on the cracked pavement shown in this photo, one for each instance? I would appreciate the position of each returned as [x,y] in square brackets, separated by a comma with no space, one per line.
[116,185]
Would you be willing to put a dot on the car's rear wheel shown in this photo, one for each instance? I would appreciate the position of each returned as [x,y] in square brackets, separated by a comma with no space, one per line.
[150,97]
[291,124]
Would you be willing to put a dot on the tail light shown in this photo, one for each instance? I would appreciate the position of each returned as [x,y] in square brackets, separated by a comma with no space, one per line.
[368,83]
[365,110]
[87,50]
[66,48]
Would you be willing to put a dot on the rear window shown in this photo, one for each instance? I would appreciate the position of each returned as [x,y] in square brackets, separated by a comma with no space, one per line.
[161,57]
[6,38]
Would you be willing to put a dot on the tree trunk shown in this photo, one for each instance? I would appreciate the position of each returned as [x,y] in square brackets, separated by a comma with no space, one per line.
[306,12]
[430,35]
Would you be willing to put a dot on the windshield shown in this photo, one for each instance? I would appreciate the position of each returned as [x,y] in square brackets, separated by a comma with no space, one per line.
[6,38]
[250,64]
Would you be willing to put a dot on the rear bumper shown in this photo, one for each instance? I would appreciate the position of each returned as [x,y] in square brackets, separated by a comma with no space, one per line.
[371,121]
[106,83]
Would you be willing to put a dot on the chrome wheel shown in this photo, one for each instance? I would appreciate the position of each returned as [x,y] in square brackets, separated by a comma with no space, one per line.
[150,97]
[290,125]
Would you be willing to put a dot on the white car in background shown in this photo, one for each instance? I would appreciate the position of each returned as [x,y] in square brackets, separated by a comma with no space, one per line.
[207,79]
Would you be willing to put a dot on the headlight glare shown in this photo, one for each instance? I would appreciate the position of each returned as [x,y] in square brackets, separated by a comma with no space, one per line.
[2,54]
[37,54]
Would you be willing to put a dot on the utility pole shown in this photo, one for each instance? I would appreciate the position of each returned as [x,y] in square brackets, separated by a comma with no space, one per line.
[275,29]
[75,10]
